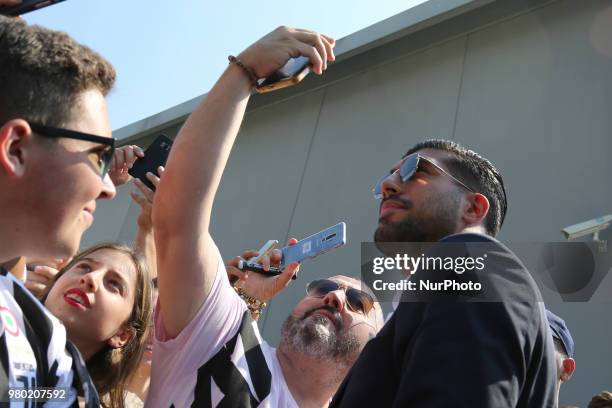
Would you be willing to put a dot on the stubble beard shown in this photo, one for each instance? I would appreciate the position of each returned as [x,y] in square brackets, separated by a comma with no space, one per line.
[317,337]
[438,221]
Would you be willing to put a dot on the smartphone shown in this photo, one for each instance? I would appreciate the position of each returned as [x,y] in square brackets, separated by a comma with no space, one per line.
[155,156]
[308,248]
[267,247]
[26,6]
[290,74]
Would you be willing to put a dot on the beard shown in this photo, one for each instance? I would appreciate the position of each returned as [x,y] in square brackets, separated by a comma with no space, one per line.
[316,336]
[427,225]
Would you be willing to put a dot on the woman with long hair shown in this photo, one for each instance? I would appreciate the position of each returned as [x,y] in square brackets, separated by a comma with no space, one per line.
[103,297]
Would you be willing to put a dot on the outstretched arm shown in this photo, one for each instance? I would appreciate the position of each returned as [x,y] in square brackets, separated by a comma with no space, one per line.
[144,243]
[187,257]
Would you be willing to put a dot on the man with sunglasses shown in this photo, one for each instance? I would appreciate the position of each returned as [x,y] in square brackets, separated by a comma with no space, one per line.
[55,152]
[324,333]
[488,348]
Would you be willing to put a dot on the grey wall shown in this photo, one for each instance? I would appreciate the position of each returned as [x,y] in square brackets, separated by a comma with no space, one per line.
[528,90]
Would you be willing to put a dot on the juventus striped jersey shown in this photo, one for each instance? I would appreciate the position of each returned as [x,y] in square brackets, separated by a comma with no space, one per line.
[219,359]
[34,351]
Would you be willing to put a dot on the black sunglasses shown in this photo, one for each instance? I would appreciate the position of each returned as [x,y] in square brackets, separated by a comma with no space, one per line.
[102,159]
[409,166]
[356,300]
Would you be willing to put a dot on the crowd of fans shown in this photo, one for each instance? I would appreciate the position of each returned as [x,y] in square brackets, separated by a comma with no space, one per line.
[165,322]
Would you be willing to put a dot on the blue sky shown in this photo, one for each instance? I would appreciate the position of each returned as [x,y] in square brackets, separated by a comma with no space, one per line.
[167,52]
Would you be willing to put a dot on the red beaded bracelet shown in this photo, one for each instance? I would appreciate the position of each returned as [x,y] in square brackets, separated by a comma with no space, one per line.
[250,73]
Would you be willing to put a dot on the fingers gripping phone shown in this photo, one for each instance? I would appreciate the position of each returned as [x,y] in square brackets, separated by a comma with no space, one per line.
[156,155]
[26,6]
[290,74]
[308,248]
[267,247]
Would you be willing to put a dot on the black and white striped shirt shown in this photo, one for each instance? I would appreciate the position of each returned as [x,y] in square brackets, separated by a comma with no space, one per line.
[34,351]
[218,360]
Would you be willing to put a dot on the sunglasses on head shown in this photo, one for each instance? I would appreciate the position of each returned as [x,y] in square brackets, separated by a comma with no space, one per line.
[356,300]
[407,169]
[100,158]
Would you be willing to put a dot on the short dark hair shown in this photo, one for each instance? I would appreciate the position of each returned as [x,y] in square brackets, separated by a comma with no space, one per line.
[42,73]
[476,172]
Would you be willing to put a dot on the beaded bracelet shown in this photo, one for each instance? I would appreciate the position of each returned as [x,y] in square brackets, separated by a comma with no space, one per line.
[250,73]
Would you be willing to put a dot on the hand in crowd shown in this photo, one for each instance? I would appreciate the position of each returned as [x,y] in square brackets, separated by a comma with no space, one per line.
[273,50]
[257,285]
[124,159]
[145,200]
[39,279]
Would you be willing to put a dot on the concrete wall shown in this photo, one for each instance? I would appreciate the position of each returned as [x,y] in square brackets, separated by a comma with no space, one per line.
[531,89]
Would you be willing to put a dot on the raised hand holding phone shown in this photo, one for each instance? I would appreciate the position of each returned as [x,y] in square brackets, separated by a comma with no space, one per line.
[308,248]
[262,286]
[124,159]
[155,156]
[183,206]
[289,74]
[288,43]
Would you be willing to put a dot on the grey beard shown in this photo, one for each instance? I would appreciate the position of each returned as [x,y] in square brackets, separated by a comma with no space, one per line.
[317,337]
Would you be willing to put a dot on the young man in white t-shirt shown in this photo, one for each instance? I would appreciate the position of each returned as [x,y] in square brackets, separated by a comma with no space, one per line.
[55,149]
[207,350]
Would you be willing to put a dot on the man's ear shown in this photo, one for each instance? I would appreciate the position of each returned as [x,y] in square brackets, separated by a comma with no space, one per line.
[476,209]
[15,137]
[122,337]
[569,365]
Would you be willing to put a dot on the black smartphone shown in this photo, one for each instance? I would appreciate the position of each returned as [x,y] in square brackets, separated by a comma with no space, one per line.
[290,74]
[26,6]
[155,156]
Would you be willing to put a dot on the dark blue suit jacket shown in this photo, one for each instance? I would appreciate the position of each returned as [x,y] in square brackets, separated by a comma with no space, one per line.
[491,349]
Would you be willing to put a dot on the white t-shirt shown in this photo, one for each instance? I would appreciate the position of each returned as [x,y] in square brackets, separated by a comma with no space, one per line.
[207,363]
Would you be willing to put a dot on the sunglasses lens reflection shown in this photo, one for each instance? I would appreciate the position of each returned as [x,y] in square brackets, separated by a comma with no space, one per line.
[357,300]
[409,166]
[406,171]
[321,287]
[107,159]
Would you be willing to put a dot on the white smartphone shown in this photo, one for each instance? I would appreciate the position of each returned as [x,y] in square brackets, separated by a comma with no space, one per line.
[267,247]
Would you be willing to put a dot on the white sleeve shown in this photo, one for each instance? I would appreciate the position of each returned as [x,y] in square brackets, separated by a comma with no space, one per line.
[215,323]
